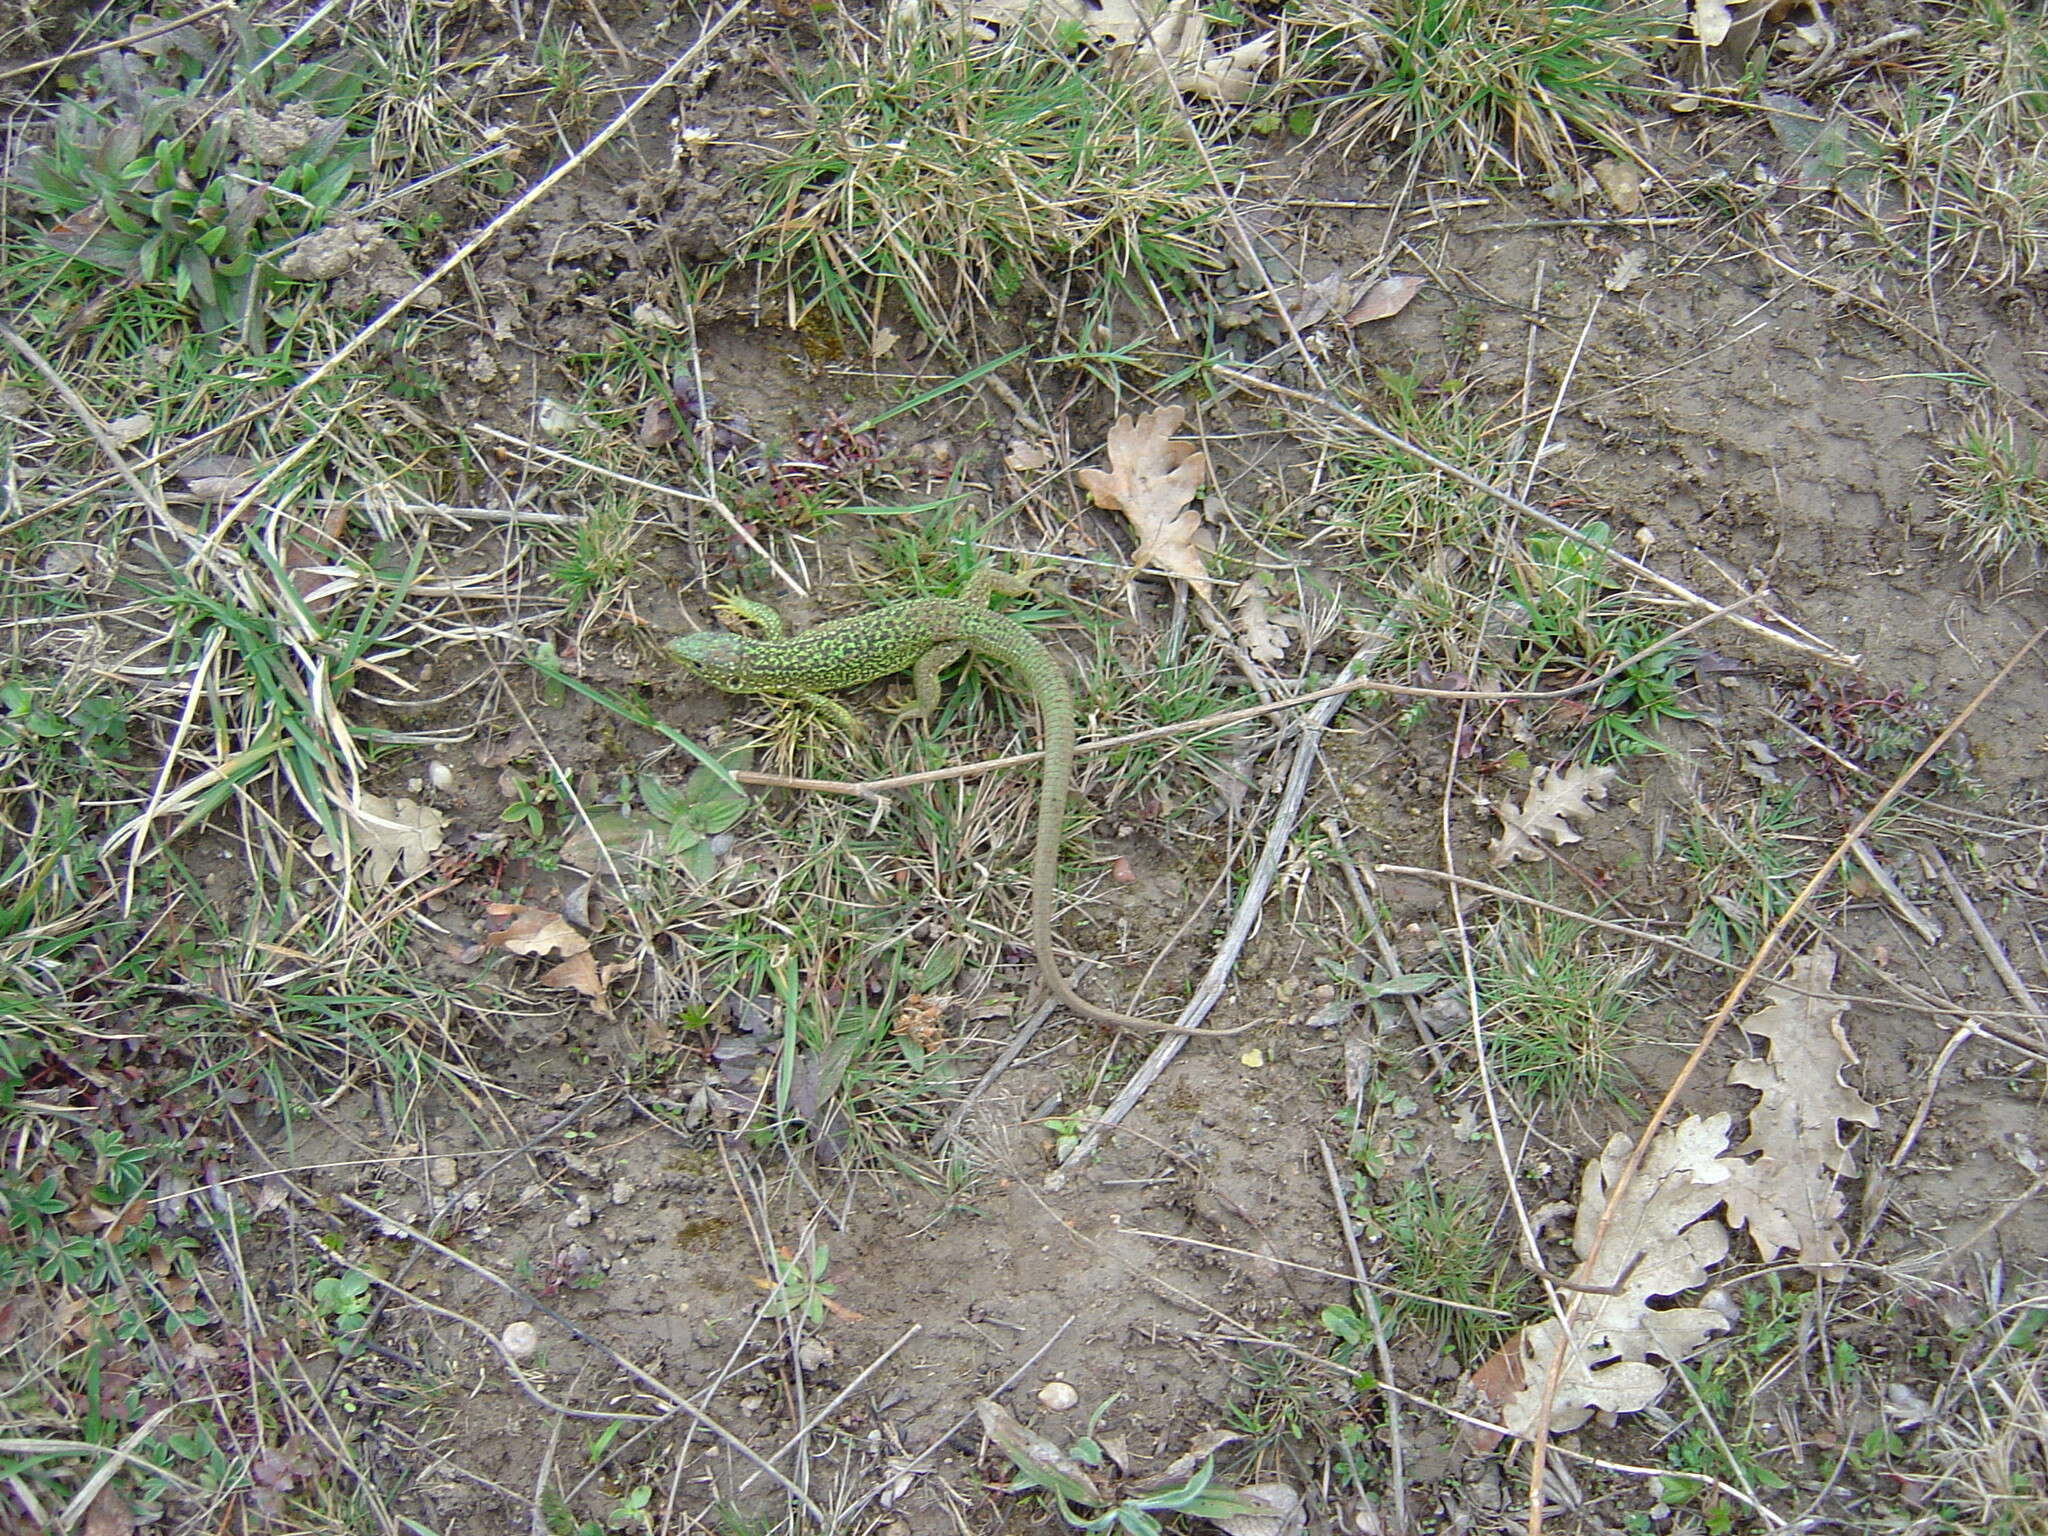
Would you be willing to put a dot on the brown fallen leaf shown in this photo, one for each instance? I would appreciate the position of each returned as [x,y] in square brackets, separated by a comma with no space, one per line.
[1265,639]
[1557,797]
[1152,480]
[538,933]
[1026,456]
[1385,299]
[1790,1196]
[532,931]
[394,835]
[1156,40]
[1177,51]
[1622,183]
[1660,1242]
[581,974]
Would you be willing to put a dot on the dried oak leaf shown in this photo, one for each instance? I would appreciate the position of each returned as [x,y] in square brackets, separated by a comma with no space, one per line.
[1152,480]
[1178,51]
[397,835]
[1265,639]
[1789,1196]
[1659,1243]
[533,931]
[1557,797]
[1150,41]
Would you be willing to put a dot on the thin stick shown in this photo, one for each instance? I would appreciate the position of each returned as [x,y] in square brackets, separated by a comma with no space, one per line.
[151,497]
[1918,921]
[1281,831]
[1716,1021]
[931,1450]
[1396,1457]
[833,1407]
[57,60]
[1910,998]
[1986,939]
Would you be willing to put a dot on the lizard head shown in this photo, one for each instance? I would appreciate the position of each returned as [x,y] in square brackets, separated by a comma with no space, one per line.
[711,655]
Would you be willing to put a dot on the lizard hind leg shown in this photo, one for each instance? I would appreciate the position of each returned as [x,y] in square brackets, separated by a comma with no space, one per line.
[924,678]
[990,580]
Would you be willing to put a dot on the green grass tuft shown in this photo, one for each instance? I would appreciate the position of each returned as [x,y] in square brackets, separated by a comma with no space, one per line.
[952,176]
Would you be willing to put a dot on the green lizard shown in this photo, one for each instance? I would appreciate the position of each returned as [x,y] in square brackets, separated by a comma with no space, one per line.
[924,635]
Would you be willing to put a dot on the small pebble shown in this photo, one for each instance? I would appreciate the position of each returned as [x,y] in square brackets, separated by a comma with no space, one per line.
[519,1340]
[1057,1397]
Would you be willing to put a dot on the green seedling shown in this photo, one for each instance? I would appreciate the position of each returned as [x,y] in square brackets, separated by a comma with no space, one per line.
[1065,1478]
[533,796]
[1579,617]
[705,806]
[343,1302]
[801,1289]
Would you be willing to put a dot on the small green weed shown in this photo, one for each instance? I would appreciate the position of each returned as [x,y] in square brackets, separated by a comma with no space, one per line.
[342,1302]
[534,797]
[801,1289]
[1067,1478]
[603,552]
[705,806]
[1439,1241]
[159,179]
[1578,619]
[1556,1013]
[956,177]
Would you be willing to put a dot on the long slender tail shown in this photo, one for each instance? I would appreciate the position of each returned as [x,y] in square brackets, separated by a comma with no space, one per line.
[1056,729]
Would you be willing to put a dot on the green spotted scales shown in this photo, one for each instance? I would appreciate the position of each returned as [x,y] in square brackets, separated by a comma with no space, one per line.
[923,636]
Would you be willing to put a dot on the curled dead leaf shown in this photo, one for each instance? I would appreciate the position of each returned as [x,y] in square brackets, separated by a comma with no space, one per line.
[1025,456]
[1711,21]
[523,930]
[1265,638]
[1622,183]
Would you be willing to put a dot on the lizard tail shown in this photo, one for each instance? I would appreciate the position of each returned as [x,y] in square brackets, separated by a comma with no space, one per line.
[1056,727]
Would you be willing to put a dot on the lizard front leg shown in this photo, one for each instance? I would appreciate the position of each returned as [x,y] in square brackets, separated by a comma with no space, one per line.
[749,614]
